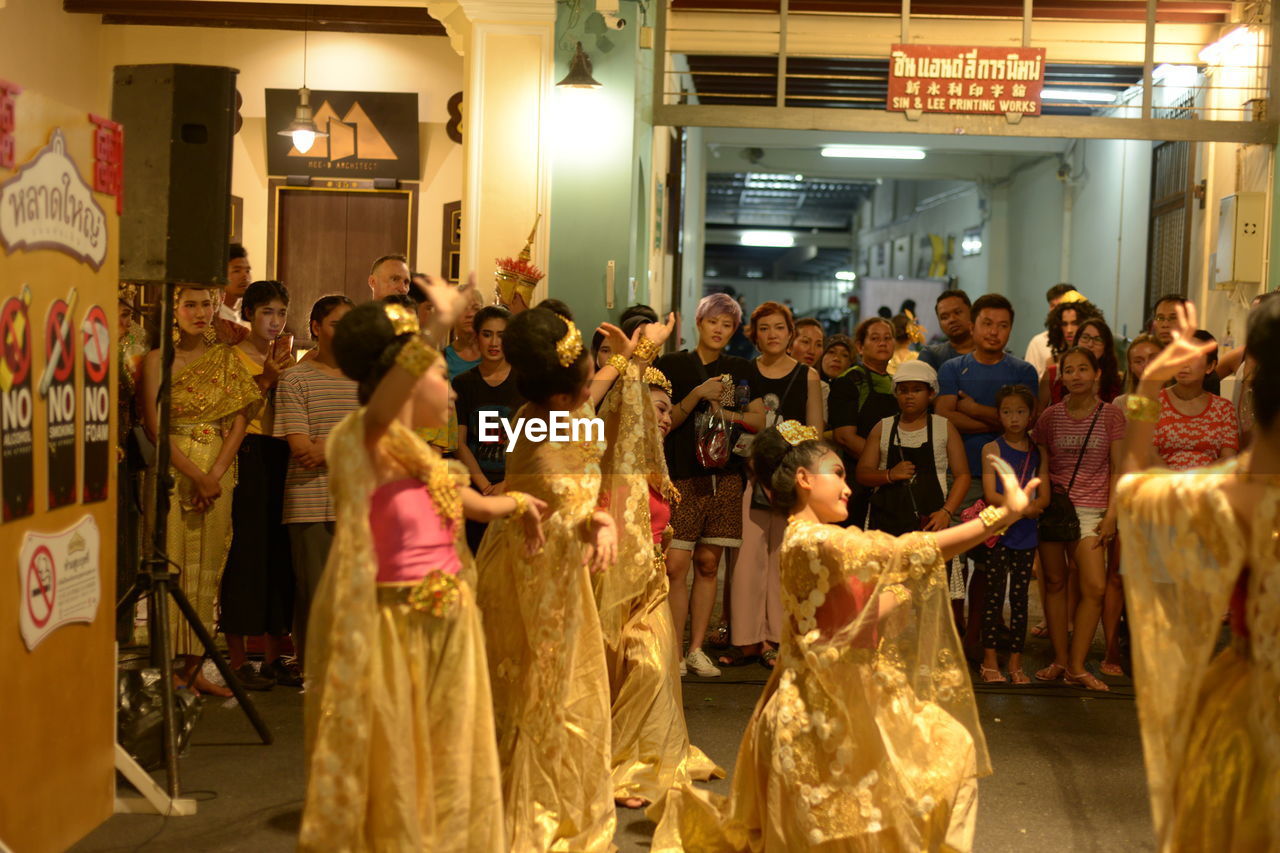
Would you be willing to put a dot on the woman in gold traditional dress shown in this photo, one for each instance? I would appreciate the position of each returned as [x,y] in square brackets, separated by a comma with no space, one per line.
[400,745]
[867,736]
[651,749]
[1197,544]
[210,390]
[542,630]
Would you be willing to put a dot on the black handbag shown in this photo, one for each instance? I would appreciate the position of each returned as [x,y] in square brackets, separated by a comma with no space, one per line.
[893,505]
[1059,522]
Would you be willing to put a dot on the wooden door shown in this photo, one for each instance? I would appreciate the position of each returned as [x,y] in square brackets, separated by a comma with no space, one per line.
[327,239]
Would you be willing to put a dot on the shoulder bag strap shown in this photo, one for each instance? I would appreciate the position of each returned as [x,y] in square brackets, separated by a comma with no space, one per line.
[1083,447]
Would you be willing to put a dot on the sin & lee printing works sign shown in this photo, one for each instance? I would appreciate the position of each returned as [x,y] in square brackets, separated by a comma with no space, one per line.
[926,78]
[371,135]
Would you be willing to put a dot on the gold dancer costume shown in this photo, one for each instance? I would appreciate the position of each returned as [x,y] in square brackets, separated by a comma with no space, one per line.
[546,656]
[206,396]
[651,749]
[1210,724]
[866,737]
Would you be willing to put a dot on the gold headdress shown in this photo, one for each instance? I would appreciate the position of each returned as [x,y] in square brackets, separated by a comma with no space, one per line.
[1073,296]
[569,347]
[654,376]
[518,275]
[402,319]
[795,432]
[128,293]
[915,332]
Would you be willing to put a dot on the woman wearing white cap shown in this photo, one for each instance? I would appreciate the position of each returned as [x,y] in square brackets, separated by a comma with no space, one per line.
[907,459]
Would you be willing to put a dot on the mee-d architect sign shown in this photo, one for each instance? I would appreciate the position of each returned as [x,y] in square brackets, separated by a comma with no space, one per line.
[47,205]
[930,78]
[370,135]
[59,580]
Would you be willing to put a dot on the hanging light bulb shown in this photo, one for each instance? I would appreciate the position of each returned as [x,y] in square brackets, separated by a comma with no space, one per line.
[303,128]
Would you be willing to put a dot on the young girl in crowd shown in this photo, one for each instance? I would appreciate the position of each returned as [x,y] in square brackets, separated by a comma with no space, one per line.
[1011,559]
[651,749]
[258,584]
[848,748]
[401,752]
[210,392]
[311,399]
[784,389]
[1082,437]
[1196,428]
[545,646]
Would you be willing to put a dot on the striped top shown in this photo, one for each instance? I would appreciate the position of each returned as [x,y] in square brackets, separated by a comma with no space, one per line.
[310,402]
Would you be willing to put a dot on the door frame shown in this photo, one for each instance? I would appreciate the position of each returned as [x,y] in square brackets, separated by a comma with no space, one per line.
[276,186]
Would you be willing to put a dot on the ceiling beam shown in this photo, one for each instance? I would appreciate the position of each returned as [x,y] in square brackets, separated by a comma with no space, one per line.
[882,121]
[319,17]
[732,236]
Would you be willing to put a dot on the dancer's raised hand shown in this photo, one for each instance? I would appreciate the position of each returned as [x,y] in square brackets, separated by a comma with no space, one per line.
[1016,496]
[1181,351]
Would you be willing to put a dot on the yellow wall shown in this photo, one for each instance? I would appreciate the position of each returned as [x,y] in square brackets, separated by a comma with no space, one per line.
[78,72]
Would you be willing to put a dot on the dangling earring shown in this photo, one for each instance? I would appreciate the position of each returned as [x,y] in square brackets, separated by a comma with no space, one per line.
[177,336]
[210,335]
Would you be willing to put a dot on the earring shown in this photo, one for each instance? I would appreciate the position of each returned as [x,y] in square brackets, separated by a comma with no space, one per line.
[210,335]
[177,336]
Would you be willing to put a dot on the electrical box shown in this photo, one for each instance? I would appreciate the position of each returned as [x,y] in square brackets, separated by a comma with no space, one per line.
[1241,240]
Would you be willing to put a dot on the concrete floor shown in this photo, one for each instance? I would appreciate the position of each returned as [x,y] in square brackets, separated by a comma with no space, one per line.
[1068,772]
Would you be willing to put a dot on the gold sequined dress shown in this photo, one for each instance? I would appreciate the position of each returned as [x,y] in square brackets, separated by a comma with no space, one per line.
[401,753]
[206,395]
[866,737]
[546,656]
[651,749]
[1210,723]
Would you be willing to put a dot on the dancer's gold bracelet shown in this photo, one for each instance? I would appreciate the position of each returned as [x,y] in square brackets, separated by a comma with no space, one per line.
[993,517]
[618,363]
[646,351]
[522,503]
[1140,408]
[415,356]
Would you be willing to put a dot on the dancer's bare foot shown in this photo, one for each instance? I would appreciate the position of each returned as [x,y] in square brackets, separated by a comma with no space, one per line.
[631,802]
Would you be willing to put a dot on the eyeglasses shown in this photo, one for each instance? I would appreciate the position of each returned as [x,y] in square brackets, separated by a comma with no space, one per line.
[1166,318]
[1089,340]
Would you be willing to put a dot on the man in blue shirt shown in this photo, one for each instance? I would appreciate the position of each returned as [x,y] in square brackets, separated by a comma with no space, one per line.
[956,322]
[967,396]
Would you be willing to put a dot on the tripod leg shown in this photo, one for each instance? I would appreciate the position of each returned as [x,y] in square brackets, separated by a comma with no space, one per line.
[206,639]
[160,640]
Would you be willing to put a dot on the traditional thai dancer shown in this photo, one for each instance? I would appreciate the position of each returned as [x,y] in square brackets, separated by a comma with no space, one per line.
[866,737]
[1197,544]
[651,749]
[400,742]
[542,630]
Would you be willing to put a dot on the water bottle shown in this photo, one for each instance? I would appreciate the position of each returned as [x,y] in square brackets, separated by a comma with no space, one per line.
[742,396]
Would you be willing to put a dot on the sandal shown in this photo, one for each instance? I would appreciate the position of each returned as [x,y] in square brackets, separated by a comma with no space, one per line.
[1087,680]
[988,678]
[1017,676]
[1052,672]
[734,656]
[769,659]
[1041,631]
[1112,669]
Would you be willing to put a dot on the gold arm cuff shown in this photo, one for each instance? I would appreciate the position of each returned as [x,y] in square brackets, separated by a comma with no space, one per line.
[899,592]
[415,356]
[646,351]
[618,363]
[1142,409]
[994,517]
[522,503]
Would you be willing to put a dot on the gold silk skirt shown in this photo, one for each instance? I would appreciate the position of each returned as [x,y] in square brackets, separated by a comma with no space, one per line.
[433,778]
[550,690]
[651,749]
[1227,787]
[197,541]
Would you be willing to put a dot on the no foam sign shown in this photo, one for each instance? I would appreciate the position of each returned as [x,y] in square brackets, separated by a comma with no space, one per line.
[59,578]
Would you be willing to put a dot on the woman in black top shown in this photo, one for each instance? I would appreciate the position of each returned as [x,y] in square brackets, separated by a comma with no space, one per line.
[784,389]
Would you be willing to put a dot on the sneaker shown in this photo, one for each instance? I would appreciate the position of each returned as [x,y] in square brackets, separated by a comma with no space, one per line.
[285,674]
[684,668]
[701,664]
[250,679]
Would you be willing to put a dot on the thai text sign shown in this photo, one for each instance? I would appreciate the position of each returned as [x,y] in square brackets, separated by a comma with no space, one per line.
[932,78]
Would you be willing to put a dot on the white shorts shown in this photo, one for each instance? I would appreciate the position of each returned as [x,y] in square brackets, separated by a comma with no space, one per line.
[1090,520]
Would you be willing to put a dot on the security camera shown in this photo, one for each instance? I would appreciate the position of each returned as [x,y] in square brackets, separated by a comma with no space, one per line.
[613,21]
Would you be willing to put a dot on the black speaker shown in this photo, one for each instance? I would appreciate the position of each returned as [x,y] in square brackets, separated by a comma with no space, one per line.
[179,121]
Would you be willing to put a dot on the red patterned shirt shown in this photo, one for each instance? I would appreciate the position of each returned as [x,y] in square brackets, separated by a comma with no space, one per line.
[1194,441]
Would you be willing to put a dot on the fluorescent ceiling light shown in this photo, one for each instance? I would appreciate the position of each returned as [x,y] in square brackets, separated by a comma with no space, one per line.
[1182,76]
[1087,95]
[846,275]
[772,239]
[1220,50]
[874,152]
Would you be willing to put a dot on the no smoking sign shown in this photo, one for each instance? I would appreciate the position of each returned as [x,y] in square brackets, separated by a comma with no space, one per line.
[59,577]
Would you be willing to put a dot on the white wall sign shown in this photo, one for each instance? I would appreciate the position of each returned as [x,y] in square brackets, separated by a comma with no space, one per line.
[59,579]
[47,205]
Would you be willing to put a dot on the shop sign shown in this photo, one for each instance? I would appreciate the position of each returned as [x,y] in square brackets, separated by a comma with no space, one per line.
[95,373]
[47,205]
[17,407]
[58,387]
[59,580]
[928,78]
[370,135]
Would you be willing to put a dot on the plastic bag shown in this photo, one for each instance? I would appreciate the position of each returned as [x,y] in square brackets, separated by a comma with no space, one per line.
[140,718]
[712,440]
